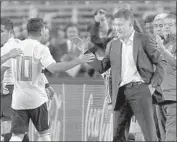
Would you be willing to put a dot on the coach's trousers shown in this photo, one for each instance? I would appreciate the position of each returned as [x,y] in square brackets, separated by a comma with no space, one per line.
[135,100]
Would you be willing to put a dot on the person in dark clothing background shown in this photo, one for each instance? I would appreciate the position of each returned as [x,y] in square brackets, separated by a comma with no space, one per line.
[148,24]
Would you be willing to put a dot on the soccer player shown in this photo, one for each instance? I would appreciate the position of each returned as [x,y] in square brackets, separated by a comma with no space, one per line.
[8,50]
[29,95]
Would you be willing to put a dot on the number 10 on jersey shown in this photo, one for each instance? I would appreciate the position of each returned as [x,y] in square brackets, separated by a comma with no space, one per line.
[24,68]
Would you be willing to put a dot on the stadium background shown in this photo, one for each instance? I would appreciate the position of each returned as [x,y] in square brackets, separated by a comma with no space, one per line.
[83,114]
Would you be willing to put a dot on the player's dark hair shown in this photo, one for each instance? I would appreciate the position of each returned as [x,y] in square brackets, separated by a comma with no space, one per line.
[35,25]
[8,24]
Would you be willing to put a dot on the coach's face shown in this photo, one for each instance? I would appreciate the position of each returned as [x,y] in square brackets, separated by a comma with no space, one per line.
[5,34]
[123,27]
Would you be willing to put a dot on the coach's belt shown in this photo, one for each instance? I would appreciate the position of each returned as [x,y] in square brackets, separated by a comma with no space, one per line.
[133,84]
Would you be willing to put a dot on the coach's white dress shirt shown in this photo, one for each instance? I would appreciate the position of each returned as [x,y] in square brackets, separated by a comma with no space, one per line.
[129,71]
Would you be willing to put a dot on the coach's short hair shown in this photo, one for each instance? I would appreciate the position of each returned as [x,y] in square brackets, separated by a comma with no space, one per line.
[7,24]
[124,13]
[35,25]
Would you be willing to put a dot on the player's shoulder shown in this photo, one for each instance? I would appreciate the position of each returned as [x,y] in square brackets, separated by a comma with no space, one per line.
[9,45]
[33,42]
[13,41]
[41,47]
[17,40]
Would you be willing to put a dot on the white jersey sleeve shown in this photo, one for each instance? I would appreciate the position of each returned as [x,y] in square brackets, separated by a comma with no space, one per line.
[45,56]
[5,49]
[7,63]
[9,45]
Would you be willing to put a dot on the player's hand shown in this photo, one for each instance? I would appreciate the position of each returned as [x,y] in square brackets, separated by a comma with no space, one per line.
[86,58]
[15,52]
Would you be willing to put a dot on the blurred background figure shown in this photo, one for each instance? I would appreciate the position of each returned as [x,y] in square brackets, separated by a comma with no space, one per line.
[148,24]
[158,25]
[169,30]
[72,31]
[73,50]
[58,46]
[168,50]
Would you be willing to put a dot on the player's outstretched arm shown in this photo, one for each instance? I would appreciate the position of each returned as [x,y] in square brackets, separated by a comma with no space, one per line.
[4,58]
[64,66]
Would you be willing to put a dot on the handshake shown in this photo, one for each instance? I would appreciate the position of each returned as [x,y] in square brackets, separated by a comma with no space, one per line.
[87,55]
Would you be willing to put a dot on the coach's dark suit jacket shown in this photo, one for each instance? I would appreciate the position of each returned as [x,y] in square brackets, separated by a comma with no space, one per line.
[145,54]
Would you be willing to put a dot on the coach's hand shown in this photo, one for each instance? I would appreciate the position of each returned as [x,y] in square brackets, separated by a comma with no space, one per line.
[15,52]
[86,58]
[155,81]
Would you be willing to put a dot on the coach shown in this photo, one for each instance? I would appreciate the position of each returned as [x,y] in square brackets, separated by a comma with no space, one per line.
[131,59]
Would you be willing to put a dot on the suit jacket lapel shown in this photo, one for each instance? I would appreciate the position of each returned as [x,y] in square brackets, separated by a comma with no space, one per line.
[136,45]
[117,51]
